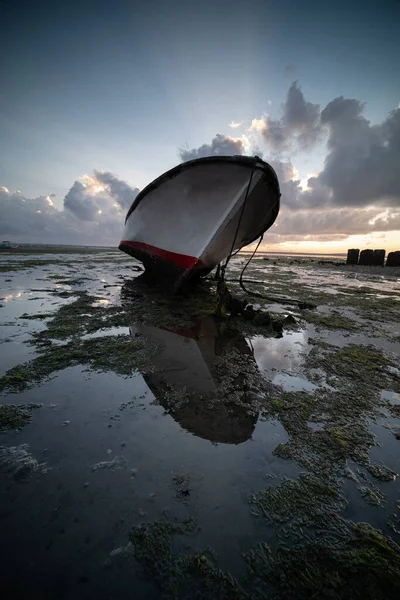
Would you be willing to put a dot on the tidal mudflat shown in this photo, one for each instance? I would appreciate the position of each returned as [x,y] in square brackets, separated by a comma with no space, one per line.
[149,449]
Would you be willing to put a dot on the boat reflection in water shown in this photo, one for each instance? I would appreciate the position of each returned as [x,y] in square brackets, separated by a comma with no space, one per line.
[187,383]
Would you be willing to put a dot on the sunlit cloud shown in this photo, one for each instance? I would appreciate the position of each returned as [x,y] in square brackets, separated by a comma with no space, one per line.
[259,125]
[235,124]
[304,182]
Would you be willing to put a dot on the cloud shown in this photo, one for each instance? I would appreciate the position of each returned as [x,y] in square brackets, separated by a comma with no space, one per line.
[93,212]
[362,164]
[258,125]
[358,190]
[334,222]
[235,124]
[120,190]
[299,124]
[221,145]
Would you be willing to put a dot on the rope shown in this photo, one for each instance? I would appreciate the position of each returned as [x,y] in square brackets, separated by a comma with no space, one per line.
[223,268]
[222,290]
[247,264]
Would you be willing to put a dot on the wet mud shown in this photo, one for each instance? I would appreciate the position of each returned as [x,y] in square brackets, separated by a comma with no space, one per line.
[150,448]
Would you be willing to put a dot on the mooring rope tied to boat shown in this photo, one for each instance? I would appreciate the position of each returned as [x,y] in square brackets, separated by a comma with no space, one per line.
[220,275]
[228,258]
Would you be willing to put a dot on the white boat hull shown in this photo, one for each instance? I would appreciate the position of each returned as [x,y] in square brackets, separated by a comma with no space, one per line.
[187,219]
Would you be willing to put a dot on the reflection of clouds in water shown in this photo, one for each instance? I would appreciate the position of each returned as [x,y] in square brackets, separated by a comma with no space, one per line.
[393,397]
[101,302]
[292,383]
[283,353]
[9,297]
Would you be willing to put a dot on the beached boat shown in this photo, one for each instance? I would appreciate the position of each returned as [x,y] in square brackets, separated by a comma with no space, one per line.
[191,218]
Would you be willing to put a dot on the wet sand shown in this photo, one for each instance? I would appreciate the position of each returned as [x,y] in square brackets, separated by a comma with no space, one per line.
[149,449]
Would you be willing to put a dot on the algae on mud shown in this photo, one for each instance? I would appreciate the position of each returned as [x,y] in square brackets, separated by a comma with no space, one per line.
[299,499]
[357,563]
[354,561]
[14,416]
[364,364]
[181,575]
[333,320]
[119,354]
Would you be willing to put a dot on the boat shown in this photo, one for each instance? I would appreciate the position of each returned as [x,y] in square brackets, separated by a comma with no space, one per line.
[5,245]
[185,380]
[191,218]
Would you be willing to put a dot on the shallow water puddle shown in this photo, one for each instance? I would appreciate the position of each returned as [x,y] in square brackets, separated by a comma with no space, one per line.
[293,383]
[393,397]
[285,353]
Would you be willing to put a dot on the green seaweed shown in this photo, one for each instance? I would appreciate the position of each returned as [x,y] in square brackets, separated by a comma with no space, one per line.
[343,434]
[36,316]
[15,416]
[358,564]
[292,499]
[364,365]
[181,575]
[381,472]
[333,320]
[120,354]
[29,264]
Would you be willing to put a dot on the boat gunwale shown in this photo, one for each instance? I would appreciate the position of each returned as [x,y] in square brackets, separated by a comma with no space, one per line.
[244,161]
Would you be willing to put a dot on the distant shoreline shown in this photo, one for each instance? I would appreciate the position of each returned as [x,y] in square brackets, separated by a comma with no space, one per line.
[74,247]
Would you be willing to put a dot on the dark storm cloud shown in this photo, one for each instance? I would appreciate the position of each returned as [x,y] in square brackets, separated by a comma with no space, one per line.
[362,165]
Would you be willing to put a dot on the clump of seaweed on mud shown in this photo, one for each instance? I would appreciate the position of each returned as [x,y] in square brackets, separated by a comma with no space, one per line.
[342,431]
[16,416]
[180,575]
[332,320]
[348,561]
[365,366]
[120,354]
[354,561]
[304,499]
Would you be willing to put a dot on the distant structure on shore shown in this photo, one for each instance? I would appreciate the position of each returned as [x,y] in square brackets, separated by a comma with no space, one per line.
[393,259]
[372,258]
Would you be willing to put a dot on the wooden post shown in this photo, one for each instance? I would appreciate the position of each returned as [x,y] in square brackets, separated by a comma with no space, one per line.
[366,257]
[379,257]
[352,256]
[393,259]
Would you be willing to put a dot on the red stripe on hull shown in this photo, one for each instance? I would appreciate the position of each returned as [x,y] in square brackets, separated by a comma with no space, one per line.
[180,260]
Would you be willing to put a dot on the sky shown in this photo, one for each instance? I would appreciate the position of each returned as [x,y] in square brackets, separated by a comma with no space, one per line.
[98,98]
